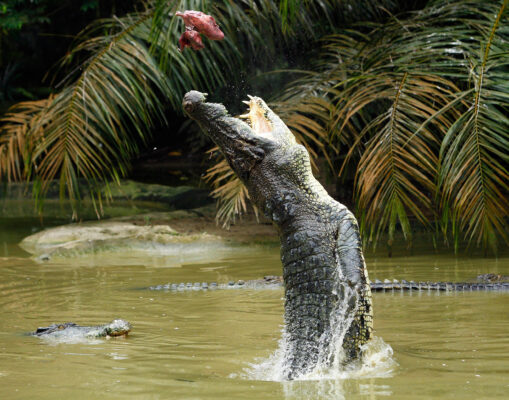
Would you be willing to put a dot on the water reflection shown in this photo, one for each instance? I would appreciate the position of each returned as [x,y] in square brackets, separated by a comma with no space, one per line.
[334,389]
[324,389]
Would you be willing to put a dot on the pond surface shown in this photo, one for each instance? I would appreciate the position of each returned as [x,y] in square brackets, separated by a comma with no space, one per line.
[214,345]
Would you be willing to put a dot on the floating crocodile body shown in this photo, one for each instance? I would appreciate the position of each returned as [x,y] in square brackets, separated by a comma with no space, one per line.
[327,294]
[268,282]
[275,282]
[70,330]
[394,285]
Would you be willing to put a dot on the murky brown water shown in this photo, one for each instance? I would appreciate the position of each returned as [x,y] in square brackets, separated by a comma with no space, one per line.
[200,345]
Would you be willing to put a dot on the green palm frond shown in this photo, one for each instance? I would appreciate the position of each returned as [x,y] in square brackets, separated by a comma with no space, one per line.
[396,175]
[394,101]
[96,123]
[474,176]
[306,13]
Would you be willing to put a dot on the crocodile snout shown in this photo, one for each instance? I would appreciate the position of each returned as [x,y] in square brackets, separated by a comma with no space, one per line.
[192,100]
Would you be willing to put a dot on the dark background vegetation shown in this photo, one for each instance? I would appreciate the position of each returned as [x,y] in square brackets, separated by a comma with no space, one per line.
[36,34]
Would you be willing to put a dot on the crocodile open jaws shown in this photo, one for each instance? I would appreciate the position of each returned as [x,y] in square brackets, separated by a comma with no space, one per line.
[327,294]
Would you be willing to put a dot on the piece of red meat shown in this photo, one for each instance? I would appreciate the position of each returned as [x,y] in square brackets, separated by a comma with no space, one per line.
[191,38]
[202,23]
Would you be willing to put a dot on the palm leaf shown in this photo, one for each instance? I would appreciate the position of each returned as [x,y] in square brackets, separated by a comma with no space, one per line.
[473,175]
[396,175]
[95,124]
[232,195]
[15,145]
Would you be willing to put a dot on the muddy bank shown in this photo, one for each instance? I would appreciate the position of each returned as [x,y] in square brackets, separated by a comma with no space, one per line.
[245,230]
[190,233]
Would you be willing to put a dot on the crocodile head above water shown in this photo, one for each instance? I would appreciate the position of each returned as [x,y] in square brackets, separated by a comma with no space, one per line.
[327,294]
[117,327]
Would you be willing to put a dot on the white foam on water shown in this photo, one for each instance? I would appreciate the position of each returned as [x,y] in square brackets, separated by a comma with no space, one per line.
[377,362]
[330,349]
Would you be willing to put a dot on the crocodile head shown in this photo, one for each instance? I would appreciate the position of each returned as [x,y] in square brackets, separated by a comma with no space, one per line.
[260,149]
[117,327]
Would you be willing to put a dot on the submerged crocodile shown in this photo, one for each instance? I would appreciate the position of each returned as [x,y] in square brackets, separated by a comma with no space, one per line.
[327,294]
[274,282]
[70,330]
[268,282]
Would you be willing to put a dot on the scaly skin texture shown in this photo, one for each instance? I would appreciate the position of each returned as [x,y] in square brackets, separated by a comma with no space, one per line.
[326,281]
[117,327]
[275,282]
[268,282]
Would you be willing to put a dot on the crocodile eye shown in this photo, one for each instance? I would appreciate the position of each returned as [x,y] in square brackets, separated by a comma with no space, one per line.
[61,327]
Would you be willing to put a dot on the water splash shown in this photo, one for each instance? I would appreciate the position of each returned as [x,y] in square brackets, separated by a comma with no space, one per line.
[338,384]
[377,362]
[323,354]
[331,354]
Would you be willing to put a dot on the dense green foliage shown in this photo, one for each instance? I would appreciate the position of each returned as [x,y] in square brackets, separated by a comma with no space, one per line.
[421,104]
[408,97]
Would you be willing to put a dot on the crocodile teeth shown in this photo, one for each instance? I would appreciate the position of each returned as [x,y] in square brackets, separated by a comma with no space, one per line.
[248,102]
[250,97]
[244,116]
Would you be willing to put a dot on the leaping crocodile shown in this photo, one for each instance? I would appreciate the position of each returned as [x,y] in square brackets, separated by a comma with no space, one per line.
[275,282]
[70,330]
[327,295]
